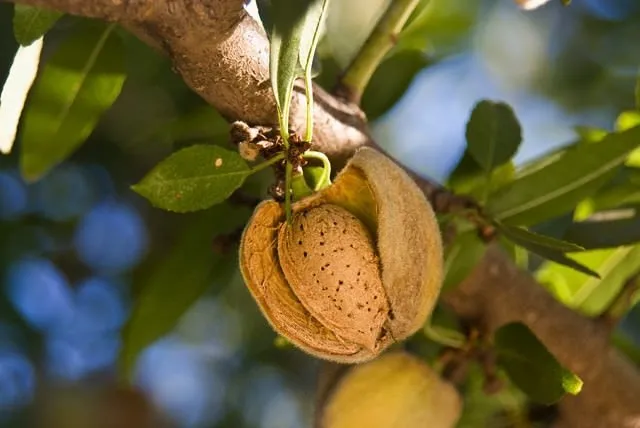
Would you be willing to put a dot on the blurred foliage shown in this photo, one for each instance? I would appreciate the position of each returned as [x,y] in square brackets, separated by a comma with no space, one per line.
[81,254]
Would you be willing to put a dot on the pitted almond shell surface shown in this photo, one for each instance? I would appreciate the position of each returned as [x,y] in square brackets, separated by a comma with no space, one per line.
[407,239]
[329,259]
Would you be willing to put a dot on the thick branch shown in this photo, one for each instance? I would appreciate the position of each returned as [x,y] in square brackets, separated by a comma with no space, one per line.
[222,54]
[497,292]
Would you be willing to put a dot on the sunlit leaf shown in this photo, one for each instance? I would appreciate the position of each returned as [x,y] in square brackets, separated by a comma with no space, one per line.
[194,178]
[520,234]
[493,134]
[531,366]
[608,198]
[30,23]
[587,294]
[558,187]
[626,120]
[175,281]
[590,134]
[14,93]
[461,258]
[78,83]
[294,24]
[542,162]
[638,93]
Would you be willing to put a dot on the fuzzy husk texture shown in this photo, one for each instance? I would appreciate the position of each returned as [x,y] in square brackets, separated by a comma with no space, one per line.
[393,230]
[395,390]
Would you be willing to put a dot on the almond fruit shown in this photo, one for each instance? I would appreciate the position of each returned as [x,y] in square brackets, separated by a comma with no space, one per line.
[358,268]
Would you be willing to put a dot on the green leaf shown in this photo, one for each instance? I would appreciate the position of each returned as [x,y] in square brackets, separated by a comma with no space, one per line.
[200,124]
[194,178]
[589,295]
[596,234]
[461,258]
[493,134]
[558,187]
[531,366]
[469,179]
[293,20]
[176,280]
[80,81]
[390,81]
[637,91]
[519,235]
[627,120]
[314,175]
[438,27]
[541,245]
[608,198]
[300,187]
[30,23]
[489,410]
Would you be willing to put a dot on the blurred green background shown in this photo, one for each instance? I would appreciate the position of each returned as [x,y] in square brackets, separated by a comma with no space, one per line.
[78,247]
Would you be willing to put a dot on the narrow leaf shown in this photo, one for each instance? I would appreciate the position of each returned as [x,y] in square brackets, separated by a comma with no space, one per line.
[194,178]
[532,367]
[176,280]
[30,23]
[291,19]
[520,234]
[493,134]
[620,192]
[80,81]
[589,295]
[558,187]
[14,92]
[310,33]
[550,253]
[616,232]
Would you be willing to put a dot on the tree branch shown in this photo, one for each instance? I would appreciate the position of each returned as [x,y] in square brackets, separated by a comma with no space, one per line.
[497,292]
[378,44]
[222,54]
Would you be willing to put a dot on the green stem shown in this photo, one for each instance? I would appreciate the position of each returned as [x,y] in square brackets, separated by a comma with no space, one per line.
[287,191]
[308,88]
[446,337]
[267,163]
[380,41]
[325,179]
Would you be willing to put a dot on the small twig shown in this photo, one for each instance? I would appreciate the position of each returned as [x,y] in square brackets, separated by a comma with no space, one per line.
[621,304]
[380,41]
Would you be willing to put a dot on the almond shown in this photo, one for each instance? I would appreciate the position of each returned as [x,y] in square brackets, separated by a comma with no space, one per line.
[330,262]
[358,268]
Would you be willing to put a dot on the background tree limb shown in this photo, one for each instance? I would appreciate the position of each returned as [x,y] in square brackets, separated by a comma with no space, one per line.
[222,54]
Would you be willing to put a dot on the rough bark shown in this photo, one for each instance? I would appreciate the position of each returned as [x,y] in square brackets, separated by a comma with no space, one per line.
[222,54]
